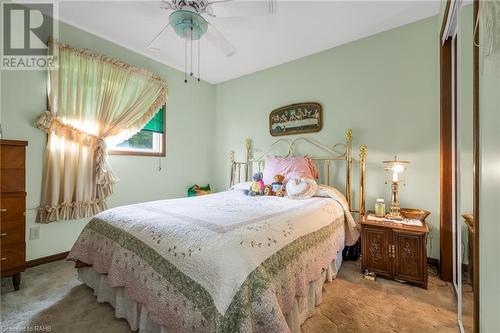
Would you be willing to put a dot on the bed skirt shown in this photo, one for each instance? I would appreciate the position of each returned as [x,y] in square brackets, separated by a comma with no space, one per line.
[138,318]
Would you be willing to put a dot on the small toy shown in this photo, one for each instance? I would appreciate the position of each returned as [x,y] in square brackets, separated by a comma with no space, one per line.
[268,190]
[257,186]
[277,186]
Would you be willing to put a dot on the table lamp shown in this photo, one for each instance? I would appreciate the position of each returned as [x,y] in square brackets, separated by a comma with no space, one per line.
[395,169]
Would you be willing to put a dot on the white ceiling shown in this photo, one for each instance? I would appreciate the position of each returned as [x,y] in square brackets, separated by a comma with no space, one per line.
[298,29]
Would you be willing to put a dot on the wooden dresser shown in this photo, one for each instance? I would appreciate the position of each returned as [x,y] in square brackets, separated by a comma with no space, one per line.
[12,208]
[395,251]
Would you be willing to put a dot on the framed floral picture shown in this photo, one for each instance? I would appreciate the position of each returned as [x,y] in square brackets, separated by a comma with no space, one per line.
[296,118]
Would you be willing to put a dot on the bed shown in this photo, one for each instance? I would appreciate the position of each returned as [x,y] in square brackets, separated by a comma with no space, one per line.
[224,262]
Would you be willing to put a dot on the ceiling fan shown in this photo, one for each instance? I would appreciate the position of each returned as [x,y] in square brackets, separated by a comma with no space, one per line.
[189,20]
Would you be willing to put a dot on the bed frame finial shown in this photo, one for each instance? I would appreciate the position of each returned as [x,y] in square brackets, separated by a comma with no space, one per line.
[348,135]
[362,179]
[249,156]
[363,151]
[232,159]
[348,184]
[249,147]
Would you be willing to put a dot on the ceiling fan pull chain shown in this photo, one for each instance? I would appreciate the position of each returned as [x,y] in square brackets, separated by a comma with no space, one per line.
[191,74]
[185,61]
[199,43]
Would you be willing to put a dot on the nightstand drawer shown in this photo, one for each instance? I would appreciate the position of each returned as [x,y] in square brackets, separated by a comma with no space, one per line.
[12,256]
[12,209]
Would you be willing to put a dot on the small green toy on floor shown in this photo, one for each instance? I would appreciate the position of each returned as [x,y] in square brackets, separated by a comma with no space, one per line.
[195,190]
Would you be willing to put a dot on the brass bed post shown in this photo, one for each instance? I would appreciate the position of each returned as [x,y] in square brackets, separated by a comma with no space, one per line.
[362,179]
[233,168]
[248,158]
[348,189]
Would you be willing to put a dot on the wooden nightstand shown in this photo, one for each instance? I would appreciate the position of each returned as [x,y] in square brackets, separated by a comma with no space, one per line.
[395,251]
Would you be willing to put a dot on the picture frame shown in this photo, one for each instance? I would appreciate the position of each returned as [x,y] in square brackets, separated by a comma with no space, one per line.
[296,118]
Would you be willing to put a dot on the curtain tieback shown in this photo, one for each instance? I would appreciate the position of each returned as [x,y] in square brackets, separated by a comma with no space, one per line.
[48,122]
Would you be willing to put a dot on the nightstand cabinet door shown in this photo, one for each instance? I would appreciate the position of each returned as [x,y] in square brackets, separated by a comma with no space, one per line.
[410,262]
[375,249]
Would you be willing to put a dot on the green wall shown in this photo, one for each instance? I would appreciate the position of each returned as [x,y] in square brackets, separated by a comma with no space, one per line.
[189,140]
[384,87]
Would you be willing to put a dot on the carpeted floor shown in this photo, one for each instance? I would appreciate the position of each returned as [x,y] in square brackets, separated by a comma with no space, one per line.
[51,295]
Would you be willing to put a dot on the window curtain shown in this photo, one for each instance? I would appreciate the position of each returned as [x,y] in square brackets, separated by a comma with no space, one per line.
[94,101]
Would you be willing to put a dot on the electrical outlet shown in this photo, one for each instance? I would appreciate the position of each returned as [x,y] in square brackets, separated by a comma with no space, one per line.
[34,233]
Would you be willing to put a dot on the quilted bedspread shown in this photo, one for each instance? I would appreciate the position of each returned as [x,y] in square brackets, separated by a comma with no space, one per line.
[221,262]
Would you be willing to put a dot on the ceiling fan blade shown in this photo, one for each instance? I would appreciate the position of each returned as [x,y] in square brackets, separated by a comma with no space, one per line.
[167,5]
[219,41]
[241,8]
[151,44]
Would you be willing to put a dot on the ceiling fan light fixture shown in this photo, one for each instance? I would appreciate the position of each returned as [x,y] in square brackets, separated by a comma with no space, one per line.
[187,24]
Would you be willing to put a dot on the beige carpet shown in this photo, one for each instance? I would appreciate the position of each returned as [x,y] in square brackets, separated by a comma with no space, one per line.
[52,296]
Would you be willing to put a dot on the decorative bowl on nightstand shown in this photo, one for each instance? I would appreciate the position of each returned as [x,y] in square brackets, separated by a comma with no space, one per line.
[413,213]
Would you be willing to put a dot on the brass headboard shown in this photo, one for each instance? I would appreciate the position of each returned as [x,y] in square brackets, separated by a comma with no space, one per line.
[242,170]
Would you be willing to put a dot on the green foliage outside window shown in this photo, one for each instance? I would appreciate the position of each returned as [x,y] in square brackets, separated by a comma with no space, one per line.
[144,138]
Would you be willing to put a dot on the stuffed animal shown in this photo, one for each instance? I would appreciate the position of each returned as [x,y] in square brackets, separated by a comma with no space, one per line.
[268,190]
[277,186]
[257,186]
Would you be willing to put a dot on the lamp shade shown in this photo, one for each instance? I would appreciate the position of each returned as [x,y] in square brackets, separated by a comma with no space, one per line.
[396,165]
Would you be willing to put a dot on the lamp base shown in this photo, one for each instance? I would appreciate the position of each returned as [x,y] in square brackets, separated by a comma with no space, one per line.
[394,215]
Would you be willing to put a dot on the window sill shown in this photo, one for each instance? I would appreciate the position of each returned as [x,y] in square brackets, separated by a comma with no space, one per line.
[136,153]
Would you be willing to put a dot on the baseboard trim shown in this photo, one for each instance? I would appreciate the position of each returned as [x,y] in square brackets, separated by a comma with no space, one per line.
[47,259]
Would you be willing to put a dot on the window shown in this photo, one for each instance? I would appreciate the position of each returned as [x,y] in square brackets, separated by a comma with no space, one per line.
[150,141]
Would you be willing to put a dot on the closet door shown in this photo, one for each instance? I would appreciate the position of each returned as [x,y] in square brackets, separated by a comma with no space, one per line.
[460,58]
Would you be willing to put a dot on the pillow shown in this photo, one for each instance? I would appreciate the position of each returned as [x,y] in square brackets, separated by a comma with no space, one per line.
[241,186]
[290,167]
[301,188]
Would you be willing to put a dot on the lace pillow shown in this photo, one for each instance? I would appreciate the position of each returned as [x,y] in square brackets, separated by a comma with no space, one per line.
[301,188]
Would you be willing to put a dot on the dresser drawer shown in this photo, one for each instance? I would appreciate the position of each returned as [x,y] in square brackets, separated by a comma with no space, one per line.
[8,228]
[8,238]
[12,169]
[12,256]
[12,180]
[12,209]
[13,157]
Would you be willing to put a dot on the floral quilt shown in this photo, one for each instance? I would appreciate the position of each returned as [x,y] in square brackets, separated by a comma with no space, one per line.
[218,263]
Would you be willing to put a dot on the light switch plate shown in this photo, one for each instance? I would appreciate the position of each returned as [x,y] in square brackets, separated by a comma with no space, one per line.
[34,233]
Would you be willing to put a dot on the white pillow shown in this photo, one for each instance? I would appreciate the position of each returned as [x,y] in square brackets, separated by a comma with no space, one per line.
[301,188]
[241,186]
